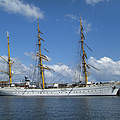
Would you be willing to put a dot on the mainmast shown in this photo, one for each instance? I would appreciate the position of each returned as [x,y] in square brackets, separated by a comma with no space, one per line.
[84,56]
[41,57]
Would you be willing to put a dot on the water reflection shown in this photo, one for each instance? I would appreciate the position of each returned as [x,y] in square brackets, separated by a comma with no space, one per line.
[59,108]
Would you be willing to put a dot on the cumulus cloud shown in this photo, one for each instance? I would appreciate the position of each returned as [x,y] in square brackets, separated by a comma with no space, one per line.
[61,73]
[93,2]
[109,70]
[17,6]
[61,68]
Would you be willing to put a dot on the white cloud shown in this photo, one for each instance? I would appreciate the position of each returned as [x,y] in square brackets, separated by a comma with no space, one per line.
[61,74]
[93,2]
[61,68]
[17,6]
[109,71]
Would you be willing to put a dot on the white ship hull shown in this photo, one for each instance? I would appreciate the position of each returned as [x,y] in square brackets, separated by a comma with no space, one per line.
[76,91]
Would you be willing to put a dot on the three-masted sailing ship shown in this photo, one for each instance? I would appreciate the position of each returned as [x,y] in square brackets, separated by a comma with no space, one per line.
[65,90]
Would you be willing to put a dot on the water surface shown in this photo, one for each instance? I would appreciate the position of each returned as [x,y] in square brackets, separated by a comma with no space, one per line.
[59,108]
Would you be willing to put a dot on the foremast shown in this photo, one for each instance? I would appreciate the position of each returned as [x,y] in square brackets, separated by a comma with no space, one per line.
[9,62]
[41,57]
[83,54]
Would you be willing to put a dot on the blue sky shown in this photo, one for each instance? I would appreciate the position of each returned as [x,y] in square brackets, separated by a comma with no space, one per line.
[59,21]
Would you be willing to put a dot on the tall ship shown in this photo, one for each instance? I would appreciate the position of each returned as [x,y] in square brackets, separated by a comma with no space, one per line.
[41,89]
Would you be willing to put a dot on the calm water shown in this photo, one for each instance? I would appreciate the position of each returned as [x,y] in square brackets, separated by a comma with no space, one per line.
[59,108]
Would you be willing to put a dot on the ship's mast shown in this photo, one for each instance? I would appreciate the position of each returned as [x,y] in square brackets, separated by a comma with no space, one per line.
[84,56]
[40,58]
[9,62]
